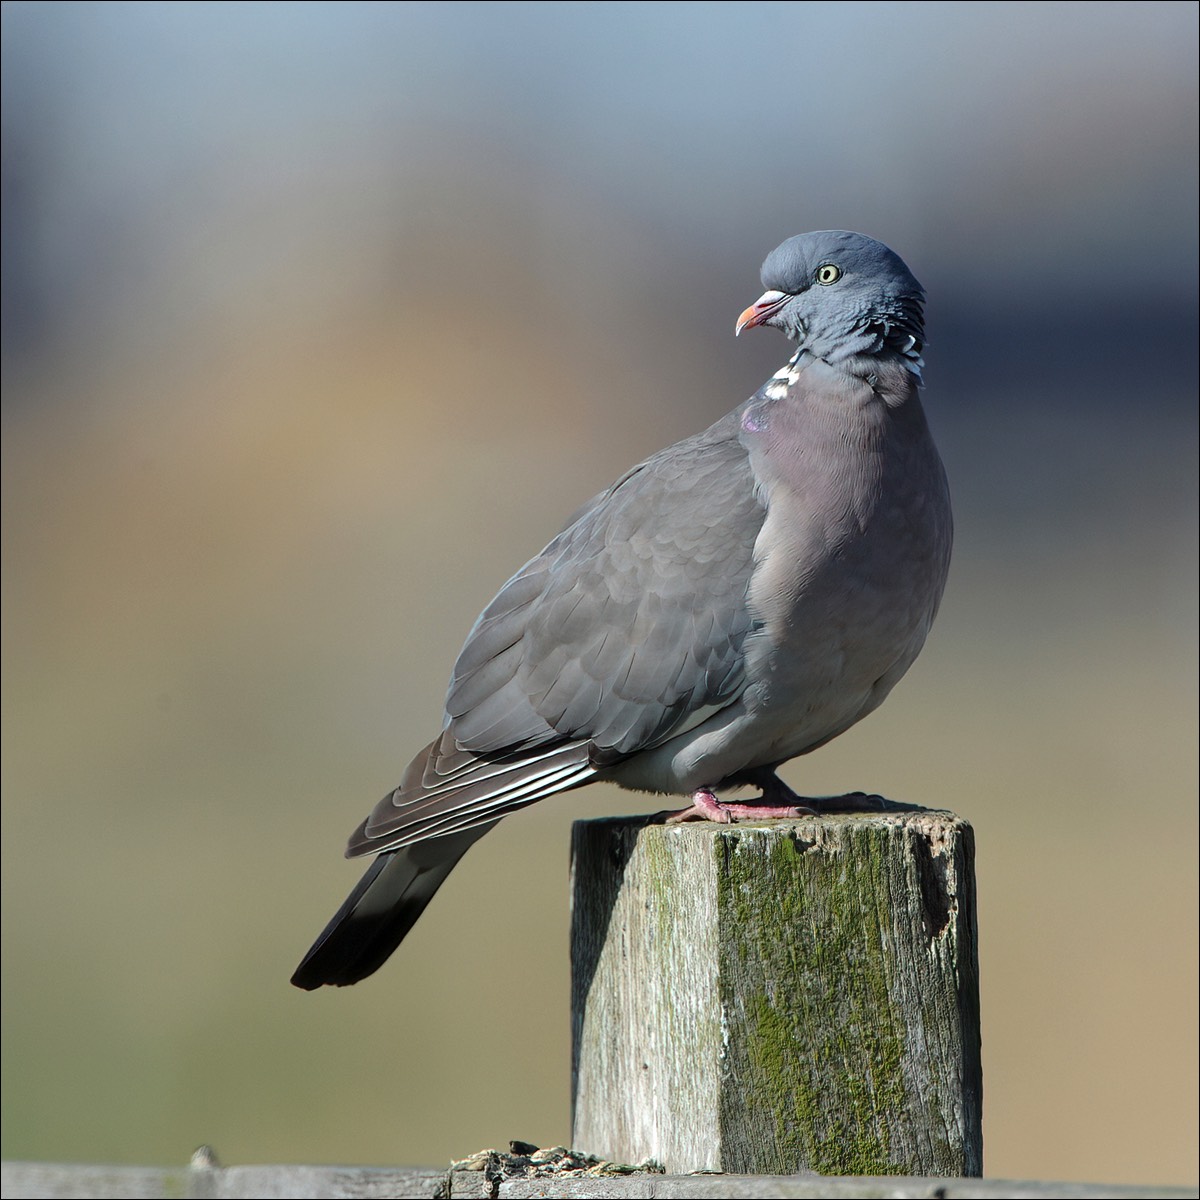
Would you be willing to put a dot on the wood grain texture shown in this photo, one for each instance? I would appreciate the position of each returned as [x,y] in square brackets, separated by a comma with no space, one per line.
[65,1181]
[62,1181]
[778,996]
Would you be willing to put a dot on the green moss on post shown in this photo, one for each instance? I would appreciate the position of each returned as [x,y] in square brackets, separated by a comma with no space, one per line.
[776,996]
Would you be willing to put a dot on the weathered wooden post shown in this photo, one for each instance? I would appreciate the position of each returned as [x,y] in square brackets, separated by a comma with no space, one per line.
[776,996]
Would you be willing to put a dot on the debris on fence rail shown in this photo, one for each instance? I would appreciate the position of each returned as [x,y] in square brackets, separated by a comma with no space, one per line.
[60,1181]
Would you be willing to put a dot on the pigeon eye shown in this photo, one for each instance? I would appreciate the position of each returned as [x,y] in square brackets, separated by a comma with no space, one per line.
[827,273]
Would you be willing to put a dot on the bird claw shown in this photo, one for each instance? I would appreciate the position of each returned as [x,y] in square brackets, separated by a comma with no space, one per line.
[706,807]
[778,802]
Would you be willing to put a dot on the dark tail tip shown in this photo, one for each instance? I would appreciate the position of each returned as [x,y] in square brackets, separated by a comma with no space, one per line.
[378,914]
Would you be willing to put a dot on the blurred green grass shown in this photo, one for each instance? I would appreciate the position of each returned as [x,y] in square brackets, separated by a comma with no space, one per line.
[229,620]
[320,319]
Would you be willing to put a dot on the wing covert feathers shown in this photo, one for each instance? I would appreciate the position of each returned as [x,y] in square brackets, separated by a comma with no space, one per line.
[627,625]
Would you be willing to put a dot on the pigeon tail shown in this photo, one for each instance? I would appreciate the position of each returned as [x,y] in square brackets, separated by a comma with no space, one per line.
[381,910]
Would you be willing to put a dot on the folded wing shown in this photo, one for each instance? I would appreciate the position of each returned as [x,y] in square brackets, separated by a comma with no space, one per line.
[624,628]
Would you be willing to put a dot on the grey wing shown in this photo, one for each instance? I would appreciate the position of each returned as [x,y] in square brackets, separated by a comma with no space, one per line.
[624,629]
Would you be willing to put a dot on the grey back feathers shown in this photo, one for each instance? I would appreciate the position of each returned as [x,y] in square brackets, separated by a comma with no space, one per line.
[735,600]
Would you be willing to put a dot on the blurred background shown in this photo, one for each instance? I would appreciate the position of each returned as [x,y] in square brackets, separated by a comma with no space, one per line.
[318,321]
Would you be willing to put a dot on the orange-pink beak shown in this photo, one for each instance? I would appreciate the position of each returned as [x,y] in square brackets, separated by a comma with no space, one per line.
[765,307]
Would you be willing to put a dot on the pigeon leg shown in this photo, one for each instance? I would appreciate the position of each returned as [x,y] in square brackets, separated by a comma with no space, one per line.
[777,801]
[706,807]
[775,791]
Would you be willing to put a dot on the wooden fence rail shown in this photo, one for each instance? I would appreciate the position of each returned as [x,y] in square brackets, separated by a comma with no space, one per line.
[54,1181]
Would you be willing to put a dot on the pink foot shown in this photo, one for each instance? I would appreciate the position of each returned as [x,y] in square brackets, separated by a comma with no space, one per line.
[706,807]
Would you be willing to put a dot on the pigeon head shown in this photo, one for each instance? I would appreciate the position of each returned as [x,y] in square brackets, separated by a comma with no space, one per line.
[839,294]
